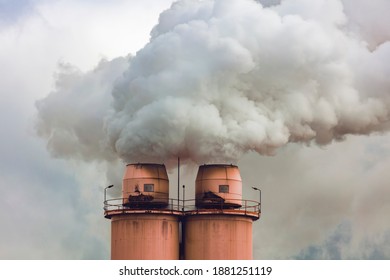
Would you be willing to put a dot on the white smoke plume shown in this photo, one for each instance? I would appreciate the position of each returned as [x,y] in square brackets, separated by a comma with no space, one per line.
[219,78]
[72,116]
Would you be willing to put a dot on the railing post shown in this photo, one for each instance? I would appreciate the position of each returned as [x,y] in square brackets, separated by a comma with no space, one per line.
[184,197]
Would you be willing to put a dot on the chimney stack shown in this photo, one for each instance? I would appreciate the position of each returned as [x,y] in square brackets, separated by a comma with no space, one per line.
[148,225]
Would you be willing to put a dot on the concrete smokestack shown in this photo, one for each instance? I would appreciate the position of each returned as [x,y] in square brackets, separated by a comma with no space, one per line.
[142,228]
[145,185]
[145,222]
[220,229]
[218,184]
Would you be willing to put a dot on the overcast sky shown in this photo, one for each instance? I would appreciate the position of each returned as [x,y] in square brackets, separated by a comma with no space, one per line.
[325,191]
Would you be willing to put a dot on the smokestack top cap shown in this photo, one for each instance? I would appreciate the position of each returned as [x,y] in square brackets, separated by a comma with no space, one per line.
[146,164]
[218,165]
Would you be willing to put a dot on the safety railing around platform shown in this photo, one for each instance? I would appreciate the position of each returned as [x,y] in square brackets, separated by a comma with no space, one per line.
[182,207]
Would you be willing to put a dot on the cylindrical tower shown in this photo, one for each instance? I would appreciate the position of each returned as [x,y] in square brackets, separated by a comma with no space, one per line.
[145,185]
[213,236]
[142,225]
[219,228]
[145,236]
[218,185]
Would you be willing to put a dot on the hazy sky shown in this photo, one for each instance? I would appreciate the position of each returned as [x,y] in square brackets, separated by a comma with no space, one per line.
[74,61]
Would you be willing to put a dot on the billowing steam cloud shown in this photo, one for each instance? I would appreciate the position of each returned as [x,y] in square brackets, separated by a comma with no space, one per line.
[220,78]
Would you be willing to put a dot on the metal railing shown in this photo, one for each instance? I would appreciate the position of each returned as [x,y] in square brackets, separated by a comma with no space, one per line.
[185,207]
[122,203]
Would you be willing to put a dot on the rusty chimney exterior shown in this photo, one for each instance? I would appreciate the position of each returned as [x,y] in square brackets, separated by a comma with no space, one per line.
[218,185]
[218,229]
[145,185]
[148,225]
[142,228]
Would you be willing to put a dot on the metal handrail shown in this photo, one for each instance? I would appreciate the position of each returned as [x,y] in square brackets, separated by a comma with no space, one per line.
[185,206]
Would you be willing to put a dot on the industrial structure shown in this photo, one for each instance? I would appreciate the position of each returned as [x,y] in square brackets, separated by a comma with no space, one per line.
[146,224]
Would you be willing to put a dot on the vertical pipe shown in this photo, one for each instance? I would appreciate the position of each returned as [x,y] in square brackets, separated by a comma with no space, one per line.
[178,183]
[260,202]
